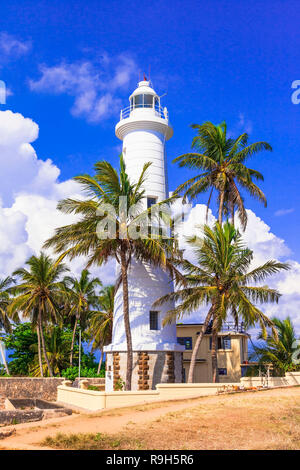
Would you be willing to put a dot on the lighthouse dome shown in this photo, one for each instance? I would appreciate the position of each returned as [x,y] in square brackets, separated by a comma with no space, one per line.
[144,112]
[144,96]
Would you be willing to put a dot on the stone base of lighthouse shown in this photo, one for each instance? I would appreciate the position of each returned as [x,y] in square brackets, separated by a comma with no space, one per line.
[149,369]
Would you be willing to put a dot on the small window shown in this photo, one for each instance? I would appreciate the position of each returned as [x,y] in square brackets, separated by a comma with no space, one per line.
[153,320]
[151,201]
[224,342]
[222,371]
[185,341]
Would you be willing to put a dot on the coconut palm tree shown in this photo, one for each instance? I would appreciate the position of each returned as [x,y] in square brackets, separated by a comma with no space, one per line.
[221,279]
[219,161]
[5,299]
[107,229]
[281,350]
[101,322]
[81,295]
[58,344]
[39,295]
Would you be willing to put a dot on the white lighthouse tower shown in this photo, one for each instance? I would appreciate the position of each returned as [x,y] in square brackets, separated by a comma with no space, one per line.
[144,129]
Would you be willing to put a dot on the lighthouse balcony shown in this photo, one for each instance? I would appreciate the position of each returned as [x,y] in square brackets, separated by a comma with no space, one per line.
[143,117]
[156,110]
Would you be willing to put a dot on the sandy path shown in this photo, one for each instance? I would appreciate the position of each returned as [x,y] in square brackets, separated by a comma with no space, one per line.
[29,435]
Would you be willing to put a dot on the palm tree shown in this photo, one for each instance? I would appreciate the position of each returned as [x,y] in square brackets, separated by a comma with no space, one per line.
[101,322]
[220,163]
[280,350]
[39,296]
[108,220]
[5,299]
[81,296]
[58,343]
[220,279]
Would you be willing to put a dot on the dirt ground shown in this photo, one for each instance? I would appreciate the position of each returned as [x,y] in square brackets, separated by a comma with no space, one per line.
[253,420]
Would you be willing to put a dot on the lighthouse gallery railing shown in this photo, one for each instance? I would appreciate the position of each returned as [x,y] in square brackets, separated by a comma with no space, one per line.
[159,111]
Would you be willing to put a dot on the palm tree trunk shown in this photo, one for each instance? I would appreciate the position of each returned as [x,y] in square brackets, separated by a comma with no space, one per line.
[73,341]
[3,358]
[214,352]
[197,345]
[232,213]
[222,195]
[126,320]
[44,348]
[100,362]
[38,332]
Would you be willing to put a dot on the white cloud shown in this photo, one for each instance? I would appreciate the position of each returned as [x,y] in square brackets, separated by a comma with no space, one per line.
[241,126]
[281,212]
[95,87]
[12,48]
[29,193]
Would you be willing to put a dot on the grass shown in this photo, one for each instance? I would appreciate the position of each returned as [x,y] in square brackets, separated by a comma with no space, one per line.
[88,441]
[268,420]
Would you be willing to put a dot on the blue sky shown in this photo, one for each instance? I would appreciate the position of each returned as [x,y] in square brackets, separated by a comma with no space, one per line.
[216,60]
[70,67]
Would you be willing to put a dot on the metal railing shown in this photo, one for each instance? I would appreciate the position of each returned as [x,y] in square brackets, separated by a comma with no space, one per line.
[158,111]
[228,326]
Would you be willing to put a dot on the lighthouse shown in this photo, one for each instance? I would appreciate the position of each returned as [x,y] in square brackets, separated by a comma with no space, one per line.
[144,129]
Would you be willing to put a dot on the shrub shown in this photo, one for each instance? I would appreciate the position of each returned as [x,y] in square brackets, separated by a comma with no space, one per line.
[71,373]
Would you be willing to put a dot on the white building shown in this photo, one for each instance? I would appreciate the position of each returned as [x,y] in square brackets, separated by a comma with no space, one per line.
[144,129]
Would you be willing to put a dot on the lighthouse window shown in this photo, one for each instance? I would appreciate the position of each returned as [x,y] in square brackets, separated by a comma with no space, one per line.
[148,100]
[153,320]
[151,201]
[138,101]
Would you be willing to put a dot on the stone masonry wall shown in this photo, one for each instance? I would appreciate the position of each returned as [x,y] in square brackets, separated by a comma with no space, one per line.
[29,387]
[149,368]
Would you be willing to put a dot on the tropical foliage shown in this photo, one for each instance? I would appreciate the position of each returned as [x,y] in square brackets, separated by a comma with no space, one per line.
[101,321]
[39,294]
[89,237]
[22,345]
[219,161]
[58,305]
[282,351]
[80,297]
[222,280]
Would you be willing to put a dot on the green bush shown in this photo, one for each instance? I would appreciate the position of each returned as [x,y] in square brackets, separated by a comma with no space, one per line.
[71,373]
[93,387]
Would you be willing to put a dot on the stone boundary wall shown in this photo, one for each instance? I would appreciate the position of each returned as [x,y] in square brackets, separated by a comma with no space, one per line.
[94,400]
[291,378]
[30,387]
[44,388]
